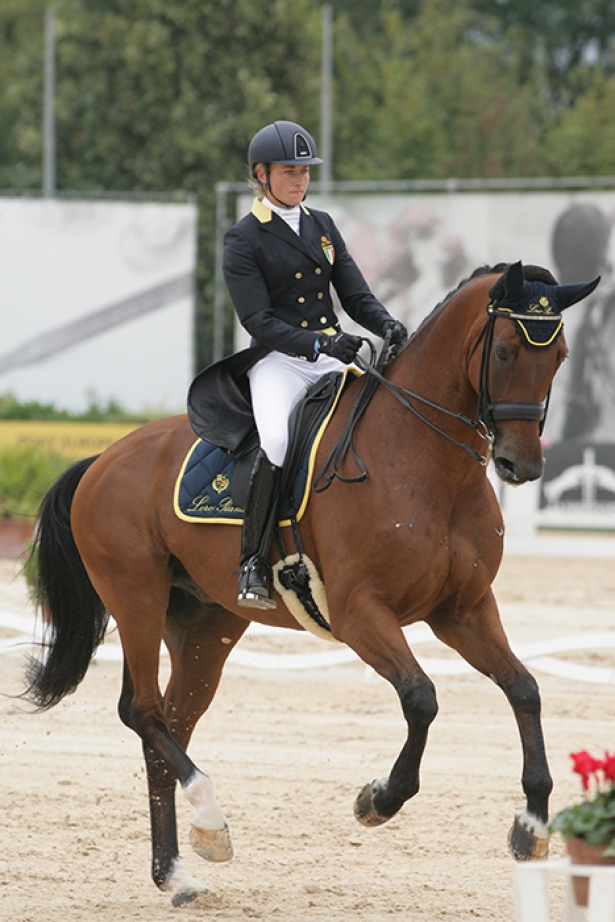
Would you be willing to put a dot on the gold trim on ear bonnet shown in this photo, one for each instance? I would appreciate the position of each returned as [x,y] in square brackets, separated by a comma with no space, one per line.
[536,307]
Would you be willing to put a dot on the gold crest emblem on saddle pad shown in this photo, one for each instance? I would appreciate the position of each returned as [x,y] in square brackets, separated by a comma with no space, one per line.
[220,483]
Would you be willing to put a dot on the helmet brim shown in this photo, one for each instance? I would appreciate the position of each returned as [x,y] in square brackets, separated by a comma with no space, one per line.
[311,161]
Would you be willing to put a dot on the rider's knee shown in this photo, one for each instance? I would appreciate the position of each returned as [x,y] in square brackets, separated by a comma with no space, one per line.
[275,449]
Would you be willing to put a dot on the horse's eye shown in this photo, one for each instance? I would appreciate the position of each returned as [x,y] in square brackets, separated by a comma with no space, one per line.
[502,353]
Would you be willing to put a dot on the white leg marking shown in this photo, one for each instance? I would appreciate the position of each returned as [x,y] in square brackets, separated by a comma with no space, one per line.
[528,839]
[183,886]
[533,825]
[200,792]
[209,836]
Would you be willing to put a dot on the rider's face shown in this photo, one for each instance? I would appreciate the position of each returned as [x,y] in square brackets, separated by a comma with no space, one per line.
[288,181]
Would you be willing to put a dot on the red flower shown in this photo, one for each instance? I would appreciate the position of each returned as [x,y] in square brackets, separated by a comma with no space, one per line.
[585,765]
[608,767]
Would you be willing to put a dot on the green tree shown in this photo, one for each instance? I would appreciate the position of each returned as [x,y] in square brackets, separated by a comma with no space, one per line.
[582,143]
[366,15]
[558,36]
[21,87]
[156,96]
[434,99]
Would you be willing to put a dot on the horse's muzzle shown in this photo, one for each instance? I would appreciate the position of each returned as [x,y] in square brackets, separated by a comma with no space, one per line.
[515,466]
[516,459]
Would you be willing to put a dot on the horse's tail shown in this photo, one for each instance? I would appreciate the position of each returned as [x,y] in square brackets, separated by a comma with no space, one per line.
[75,617]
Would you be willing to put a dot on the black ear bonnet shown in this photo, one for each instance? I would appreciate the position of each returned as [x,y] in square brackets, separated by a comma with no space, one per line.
[536,307]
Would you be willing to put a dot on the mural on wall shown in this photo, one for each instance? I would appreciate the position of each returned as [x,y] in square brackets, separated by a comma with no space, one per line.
[97,300]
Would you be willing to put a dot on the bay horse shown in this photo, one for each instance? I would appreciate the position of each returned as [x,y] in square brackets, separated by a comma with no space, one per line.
[419,539]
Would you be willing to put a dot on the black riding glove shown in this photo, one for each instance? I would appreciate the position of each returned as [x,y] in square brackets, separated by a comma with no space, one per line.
[342,346]
[398,335]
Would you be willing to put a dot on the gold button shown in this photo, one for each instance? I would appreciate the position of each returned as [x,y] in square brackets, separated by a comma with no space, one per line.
[304,323]
[298,275]
[323,319]
[318,271]
[301,300]
[320,295]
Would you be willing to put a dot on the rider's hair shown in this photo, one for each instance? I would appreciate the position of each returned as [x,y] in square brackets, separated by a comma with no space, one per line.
[256,187]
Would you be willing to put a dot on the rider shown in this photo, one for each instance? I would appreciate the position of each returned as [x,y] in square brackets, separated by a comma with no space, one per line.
[279,262]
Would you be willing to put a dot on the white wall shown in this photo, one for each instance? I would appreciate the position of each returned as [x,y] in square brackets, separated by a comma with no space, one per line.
[82,306]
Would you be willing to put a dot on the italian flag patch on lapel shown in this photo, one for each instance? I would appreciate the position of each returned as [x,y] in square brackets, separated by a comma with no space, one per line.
[327,248]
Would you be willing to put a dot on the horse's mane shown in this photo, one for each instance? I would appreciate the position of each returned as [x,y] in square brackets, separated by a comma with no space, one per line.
[531,273]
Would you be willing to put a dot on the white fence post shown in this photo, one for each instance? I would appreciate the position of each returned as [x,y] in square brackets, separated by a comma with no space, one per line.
[520,508]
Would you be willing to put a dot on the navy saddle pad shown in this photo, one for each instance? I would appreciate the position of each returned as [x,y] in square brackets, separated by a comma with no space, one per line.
[203,490]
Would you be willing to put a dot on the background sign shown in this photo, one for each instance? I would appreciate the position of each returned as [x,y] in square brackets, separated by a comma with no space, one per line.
[73,440]
[97,300]
[578,486]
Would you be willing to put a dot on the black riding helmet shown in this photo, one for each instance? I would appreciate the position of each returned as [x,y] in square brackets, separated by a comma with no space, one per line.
[282,142]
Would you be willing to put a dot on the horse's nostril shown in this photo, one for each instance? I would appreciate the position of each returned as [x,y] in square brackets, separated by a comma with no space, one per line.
[506,470]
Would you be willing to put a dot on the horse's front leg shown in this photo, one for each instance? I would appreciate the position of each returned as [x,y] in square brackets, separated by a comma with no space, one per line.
[378,639]
[382,799]
[479,637]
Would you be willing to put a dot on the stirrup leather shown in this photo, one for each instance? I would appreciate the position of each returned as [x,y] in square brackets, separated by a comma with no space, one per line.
[255,589]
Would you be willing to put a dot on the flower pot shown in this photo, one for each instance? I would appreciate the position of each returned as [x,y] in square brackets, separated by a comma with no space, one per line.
[582,853]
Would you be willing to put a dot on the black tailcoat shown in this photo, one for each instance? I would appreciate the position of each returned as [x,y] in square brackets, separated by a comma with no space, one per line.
[279,283]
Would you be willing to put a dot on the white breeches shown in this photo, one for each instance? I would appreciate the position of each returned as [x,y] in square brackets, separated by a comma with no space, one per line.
[275,384]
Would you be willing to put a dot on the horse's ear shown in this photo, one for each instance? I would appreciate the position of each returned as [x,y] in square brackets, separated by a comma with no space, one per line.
[570,294]
[514,282]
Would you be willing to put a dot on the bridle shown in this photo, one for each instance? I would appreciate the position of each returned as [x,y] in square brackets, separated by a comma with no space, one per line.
[488,412]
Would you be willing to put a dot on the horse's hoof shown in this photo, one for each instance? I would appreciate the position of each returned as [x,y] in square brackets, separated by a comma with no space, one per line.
[364,808]
[212,844]
[183,897]
[528,839]
[183,886]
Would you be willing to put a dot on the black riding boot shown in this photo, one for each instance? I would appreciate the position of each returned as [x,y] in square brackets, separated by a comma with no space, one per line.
[255,588]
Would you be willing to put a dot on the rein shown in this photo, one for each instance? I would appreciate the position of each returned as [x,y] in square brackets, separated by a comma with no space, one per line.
[344,444]
[487,412]
[367,387]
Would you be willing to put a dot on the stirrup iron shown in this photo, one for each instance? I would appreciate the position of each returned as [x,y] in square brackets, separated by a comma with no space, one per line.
[255,588]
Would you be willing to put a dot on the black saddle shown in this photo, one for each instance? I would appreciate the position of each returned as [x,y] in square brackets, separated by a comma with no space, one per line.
[305,420]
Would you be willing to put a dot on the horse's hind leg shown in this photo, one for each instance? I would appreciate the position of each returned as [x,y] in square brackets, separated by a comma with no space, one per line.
[199,646]
[479,637]
[168,872]
[166,862]
[143,613]
[199,642]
